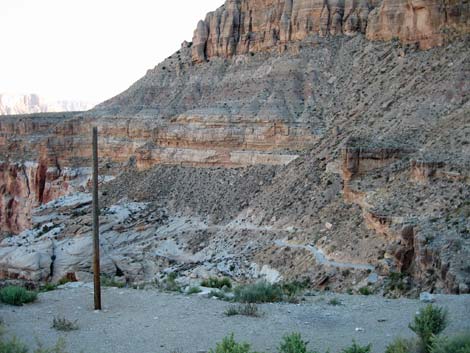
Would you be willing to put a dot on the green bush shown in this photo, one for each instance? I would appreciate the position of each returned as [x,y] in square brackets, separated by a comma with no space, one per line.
[107,281]
[291,289]
[229,345]
[396,281]
[401,346]
[293,343]
[170,283]
[15,346]
[261,292]
[193,290]
[214,282]
[355,348]
[335,302]
[456,344]
[365,291]
[430,322]
[48,287]
[12,346]
[15,295]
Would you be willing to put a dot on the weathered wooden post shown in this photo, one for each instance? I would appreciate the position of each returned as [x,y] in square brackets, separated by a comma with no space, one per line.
[96,224]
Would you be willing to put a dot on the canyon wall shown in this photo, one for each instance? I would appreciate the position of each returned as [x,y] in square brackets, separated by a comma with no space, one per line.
[250,26]
[271,135]
[46,157]
[426,22]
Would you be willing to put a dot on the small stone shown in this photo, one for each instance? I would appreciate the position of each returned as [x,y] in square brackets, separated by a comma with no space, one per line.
[359,329]
[387,104]
[463,288]
[427,297]
[373,278]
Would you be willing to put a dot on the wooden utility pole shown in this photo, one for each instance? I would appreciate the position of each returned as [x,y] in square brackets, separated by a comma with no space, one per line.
[96,224]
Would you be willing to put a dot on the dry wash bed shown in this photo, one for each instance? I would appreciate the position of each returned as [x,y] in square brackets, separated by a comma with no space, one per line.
[149,321]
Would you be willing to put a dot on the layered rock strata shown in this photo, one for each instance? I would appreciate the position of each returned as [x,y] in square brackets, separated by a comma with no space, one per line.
[247,26]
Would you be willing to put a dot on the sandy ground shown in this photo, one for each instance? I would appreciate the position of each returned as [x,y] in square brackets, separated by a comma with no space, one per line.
[149,321]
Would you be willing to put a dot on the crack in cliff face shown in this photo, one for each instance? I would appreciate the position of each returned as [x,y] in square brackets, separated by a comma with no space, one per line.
[26,177]
[40,181]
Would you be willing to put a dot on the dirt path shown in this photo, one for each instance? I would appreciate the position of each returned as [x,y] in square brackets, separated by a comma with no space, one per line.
[147,321]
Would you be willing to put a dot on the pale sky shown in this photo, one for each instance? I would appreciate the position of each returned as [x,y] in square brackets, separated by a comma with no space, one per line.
[90,49]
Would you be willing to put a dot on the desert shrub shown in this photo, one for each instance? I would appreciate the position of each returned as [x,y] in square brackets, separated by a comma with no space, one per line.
[231,311]
[396,282]
[59,347]
[365,291]
[293,343]
[401,346]
[214,282]
[261,292]
[335,301]
[456,344]
[62,324]
[107,281]
[18,296]
[431,321]
[356,348]
[12,346]
[248,309]
[170,283]
[229,345]
[294,288]
[193,290]
[48,287]
[15,346]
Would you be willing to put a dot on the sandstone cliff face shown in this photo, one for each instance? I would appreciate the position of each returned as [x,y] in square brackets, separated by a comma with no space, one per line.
[250,26]
[243,26]
[426,22]
[25,186]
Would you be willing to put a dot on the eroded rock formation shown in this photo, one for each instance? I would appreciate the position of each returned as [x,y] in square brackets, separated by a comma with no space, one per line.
[250,26]
[426,22]
[242,26]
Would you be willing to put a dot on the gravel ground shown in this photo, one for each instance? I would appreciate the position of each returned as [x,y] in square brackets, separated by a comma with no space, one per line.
[150,321]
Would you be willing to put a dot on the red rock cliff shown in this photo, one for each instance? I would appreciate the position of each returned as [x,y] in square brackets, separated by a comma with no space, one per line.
[243,26]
